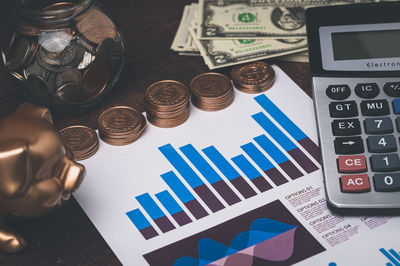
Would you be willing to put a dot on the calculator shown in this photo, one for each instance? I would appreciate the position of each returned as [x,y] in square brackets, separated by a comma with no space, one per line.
[355,64]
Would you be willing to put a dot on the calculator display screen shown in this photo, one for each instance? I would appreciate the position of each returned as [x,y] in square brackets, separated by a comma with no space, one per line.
[366,44]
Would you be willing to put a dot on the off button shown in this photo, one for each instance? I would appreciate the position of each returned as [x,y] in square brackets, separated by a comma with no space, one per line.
[338,92]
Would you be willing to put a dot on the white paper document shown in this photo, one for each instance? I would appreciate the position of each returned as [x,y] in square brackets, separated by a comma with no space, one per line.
[241,186]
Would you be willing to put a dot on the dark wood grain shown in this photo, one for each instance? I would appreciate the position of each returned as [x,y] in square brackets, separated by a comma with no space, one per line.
[66,236]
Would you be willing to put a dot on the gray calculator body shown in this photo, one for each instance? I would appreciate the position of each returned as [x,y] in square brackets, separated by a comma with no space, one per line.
[355,63]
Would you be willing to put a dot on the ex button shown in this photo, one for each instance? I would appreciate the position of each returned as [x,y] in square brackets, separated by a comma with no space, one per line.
[355,183]
[352,164]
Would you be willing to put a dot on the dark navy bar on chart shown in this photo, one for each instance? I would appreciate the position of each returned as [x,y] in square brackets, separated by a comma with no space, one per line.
[184,195]
[154,211]
[142,224]
[278,156]
[251,172]
[269,169]
[173,208]
[289,126]
[210,174]
[285,142]
[229,172]
[191,178]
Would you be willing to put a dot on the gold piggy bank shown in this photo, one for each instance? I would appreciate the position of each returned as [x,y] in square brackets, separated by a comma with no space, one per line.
[37,172]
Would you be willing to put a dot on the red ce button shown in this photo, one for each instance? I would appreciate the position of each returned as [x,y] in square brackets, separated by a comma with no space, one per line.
[352,164]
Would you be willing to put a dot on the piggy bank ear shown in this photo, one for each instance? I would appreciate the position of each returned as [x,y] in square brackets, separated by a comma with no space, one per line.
[70,174]
[39,112]
[15,168]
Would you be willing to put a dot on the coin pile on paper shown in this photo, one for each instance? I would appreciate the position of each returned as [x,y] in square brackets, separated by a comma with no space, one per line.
[211,91]
[121,125]
[167,103]
[232,32]
[254,77]
[81,140]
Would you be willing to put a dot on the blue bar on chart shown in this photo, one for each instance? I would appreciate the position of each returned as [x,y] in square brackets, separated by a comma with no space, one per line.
[289,126]
[158,216]
[248,169]
[184,195]
[191,178]
[229,172]
[269,169]
[210,174]
[142,224]
[285,142]
[393,256]
[278,157]
[173,208]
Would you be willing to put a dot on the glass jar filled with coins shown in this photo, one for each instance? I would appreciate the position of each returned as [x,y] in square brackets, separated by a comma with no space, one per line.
[66,55]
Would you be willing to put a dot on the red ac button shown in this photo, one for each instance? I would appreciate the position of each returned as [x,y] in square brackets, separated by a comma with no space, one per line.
[352,164]
[355,183]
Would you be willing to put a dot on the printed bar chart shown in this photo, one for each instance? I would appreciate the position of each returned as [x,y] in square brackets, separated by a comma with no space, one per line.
[285,142]
[248,169]
[289,126]
[158,216]
[269,169]
[210,174]
[392,255]
[278,157]
[229,172]
[173,208]
[184,195]
[141,223]
[191,177]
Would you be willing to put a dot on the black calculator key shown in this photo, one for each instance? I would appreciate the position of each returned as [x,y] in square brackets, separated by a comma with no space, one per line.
[375,108]
[385,162]
[346,127]
[387,182]
[382,125]
[392,89]
[349,145]
[343,109]
[338,92]
[381,144]
[396,106]
[367,90]
[398,124]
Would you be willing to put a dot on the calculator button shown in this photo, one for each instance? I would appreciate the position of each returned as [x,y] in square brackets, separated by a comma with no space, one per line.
[343,109]
[349,145]
[396,106]
[382,125]
[392,89]
[355,183]
[346,127]
[381,144]
[375,108]
[387,182]
[398,124]
[367,90]
[338,92]
[385,162]
[352,164]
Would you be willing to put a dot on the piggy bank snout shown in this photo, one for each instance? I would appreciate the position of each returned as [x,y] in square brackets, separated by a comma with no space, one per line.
[70,174]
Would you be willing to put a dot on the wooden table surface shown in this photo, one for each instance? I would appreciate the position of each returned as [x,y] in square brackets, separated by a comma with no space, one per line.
[67,236]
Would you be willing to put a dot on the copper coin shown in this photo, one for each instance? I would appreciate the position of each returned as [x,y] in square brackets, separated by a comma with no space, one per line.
[166,94]
[94,81]
[120,120]
[81,140]
[70,75]
[210,85]
[67,93]
[95,26]
[253,77]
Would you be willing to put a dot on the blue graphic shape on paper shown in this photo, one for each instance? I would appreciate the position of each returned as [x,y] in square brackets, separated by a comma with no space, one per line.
[138,219]
[168,202]
[177,186]
[257,156]
[392,255]
[248,169]
[271,149]
[150,206]
[223,165]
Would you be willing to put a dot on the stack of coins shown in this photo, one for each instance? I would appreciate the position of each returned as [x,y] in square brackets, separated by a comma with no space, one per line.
[254,77]
[121,125]
[211,91]
[167,103]
[81,140]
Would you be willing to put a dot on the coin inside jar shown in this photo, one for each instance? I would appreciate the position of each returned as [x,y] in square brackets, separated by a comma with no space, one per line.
[94,81]
[81,140]
[67,93]
[104,51]
[253,77]
[70,75]
[39,87]
[19,54]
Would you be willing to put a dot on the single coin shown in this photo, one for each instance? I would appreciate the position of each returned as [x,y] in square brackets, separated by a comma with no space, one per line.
[19,54]
[95,26]
[253,77]
[166,94]
[120,120]
[93,82]
[59,6]
[210,85]
[67,93]
[104,51]
[36,69]
[39,87]
[81,140]
[70,75]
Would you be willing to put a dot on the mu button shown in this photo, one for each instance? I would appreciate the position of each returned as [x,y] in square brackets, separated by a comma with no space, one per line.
[355,183]
[352,164]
